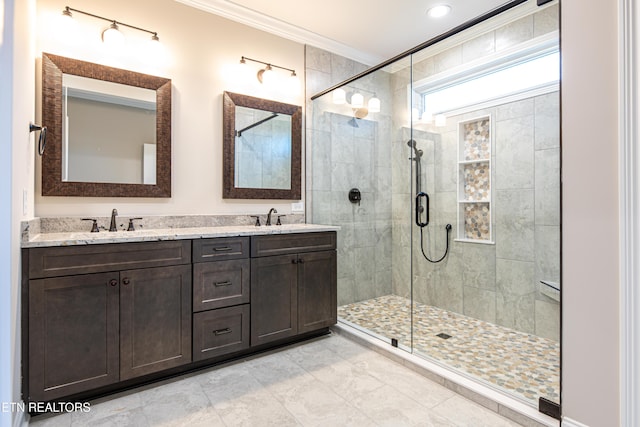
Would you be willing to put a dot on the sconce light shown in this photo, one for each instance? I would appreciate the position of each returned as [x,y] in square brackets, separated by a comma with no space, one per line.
[357,102]
[111,36]
[266,75]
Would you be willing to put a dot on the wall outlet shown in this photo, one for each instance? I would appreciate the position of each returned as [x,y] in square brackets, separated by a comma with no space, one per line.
[297,207]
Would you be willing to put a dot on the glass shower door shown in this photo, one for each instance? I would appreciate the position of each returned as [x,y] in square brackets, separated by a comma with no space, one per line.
[358,149]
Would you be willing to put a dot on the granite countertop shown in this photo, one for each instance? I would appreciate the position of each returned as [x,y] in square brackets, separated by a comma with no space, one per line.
[150,235]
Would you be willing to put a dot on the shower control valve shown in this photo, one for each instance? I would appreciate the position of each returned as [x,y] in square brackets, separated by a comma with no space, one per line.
[355,196]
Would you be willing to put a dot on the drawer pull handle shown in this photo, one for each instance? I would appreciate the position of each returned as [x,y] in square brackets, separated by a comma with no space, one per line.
[226,283]
[113,282]
[222,331]
[223,249]
[126,281]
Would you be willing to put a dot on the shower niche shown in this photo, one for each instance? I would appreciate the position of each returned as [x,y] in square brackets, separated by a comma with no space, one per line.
[474,180]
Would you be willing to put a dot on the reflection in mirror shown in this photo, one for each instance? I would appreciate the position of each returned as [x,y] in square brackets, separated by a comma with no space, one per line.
[262,148]
[109,131]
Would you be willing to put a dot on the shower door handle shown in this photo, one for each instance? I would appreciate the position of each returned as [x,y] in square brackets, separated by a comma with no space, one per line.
[419,206]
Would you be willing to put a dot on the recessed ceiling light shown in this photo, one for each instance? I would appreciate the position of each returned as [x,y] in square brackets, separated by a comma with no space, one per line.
[439,11]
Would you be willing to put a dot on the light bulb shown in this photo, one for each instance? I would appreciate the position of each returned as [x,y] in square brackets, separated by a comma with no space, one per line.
[265,76]
[294,83]
[112,37]
[374,105]
[339,96]
[357,100]
[67,28]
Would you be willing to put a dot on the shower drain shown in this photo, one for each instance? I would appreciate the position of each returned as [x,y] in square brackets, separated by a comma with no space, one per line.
[443,336]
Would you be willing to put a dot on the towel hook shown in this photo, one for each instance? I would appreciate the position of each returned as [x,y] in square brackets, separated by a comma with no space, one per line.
[42,140]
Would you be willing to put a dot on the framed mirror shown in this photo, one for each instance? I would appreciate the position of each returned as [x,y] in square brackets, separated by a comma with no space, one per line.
[108,131]
[261,148]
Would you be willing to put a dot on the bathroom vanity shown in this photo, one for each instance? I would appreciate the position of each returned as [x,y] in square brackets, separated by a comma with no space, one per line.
[103,313]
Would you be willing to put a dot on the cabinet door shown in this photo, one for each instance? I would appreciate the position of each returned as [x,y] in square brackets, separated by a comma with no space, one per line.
[73,334]
[274,298]
[317,288]
[155,319]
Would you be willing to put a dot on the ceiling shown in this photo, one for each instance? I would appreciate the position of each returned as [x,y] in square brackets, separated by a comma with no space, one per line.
[369,31]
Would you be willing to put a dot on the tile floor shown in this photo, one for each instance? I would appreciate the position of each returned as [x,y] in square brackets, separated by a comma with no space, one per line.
[521,364]
[329,381]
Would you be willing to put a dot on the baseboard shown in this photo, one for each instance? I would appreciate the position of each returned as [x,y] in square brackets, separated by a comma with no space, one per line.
[568,422]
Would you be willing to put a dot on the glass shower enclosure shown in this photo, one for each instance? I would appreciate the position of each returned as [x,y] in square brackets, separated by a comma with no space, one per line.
[451,251]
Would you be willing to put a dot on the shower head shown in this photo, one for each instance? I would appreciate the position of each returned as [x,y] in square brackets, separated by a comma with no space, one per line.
[412,143]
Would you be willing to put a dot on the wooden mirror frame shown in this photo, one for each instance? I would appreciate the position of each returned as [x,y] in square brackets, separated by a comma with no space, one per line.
[53,67]
[230,191]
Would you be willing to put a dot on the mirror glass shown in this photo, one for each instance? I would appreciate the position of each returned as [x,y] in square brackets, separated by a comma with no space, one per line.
[108,131]
[262,148]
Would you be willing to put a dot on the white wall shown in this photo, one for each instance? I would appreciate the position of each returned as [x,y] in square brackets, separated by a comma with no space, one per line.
[6,80]
[16,175]
[590,212]
[202,48]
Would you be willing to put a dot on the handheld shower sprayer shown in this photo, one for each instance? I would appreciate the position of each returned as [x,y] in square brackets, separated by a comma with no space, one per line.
[421,207]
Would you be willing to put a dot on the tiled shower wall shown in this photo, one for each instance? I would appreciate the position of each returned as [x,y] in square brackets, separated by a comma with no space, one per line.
[345,153]
[499,283]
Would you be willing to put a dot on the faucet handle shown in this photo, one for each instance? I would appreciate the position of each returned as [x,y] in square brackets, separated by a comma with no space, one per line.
[131,227]
[279,222]
[257,217]
[94,227]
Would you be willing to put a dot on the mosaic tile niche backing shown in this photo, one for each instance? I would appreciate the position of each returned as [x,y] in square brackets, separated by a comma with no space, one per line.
[474,185]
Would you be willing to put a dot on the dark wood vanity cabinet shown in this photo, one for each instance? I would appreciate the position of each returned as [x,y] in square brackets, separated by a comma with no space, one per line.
[97,318]
[221,288]
[293,285]
[90,330]
[73,334]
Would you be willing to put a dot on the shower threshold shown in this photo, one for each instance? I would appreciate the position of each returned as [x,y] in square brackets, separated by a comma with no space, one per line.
[521,365]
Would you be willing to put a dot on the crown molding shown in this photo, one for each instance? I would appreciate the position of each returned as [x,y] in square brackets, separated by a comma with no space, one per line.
[257,20]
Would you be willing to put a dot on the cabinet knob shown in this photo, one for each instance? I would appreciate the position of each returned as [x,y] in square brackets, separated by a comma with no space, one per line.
[294,261]
[301,261]
[113,282]
[126,281]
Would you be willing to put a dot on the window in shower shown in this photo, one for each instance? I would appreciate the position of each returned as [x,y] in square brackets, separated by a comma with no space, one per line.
[527,70]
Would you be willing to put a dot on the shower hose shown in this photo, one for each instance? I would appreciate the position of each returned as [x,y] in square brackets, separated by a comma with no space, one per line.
[446,251]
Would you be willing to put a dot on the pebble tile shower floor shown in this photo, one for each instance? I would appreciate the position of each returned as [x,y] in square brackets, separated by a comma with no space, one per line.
[521,364]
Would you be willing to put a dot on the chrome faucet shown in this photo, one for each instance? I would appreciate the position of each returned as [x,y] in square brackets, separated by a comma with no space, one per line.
[272,210]
[113,227]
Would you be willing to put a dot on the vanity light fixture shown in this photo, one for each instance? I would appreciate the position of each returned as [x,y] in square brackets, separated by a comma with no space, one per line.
[360,111]
[112,35]
[265,75]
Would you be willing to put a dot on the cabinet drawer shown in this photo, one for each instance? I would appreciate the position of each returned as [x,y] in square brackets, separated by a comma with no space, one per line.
[221,284]
[221,331]
[223,248]
[71,260]
[292,243]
